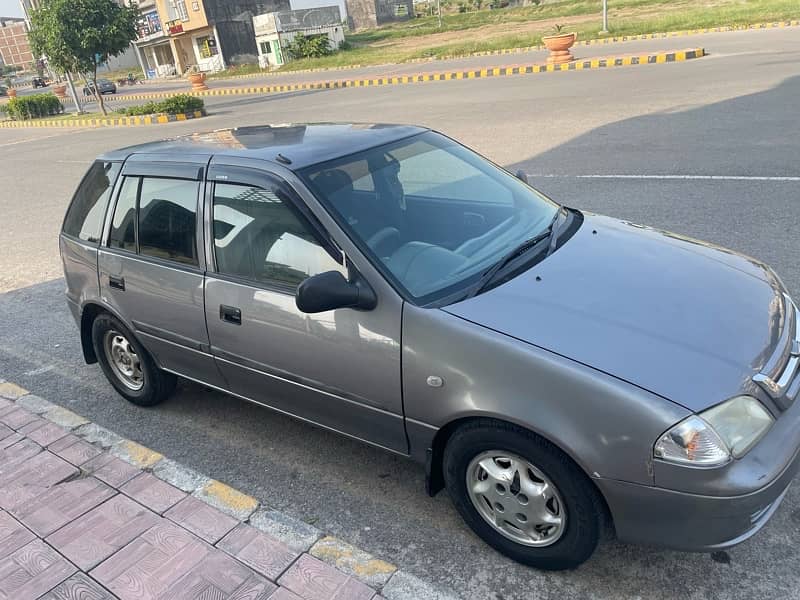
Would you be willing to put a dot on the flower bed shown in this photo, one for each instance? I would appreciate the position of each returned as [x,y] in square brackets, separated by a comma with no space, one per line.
[182,103]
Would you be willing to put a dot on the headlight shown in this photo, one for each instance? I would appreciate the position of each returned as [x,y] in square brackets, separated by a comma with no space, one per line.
[711,438]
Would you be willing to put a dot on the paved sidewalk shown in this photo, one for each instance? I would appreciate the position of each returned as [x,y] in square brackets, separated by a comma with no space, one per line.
[80,521]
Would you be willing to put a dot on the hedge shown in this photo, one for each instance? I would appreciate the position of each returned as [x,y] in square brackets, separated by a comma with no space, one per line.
[182,103]
[34,106]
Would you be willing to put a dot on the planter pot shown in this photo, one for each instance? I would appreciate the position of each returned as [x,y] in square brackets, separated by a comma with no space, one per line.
[12,93]
[559,46]
[198,81]
[60,91]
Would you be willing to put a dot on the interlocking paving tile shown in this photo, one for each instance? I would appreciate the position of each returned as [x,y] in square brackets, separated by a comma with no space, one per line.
[102,531]
[46,434]
[258,551]
[17,418]
[32,571]
[7,442]
[169,563]
[78,587]
[13,535]
[283,594]
[312,579]
[201,519]
[110,469]
[5,431]
[17,452]
[61,504]
[32,477]
[31,426]
[155,494]
[73,449]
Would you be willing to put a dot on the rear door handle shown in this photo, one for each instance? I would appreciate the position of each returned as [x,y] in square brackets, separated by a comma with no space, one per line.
[230,314]
[118,283]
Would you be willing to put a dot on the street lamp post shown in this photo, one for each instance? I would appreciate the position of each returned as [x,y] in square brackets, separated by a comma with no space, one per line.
[605,17]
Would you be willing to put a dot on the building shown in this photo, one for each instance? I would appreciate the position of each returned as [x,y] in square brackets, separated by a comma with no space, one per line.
[362,14]
[153,48]
[192,37]
[14,47]
[275,31]
[233,20]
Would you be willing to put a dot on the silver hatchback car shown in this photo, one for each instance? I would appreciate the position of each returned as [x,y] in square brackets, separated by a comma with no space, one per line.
[562,374]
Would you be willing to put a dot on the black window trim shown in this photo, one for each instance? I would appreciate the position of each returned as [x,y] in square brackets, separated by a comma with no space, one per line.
[111,197]
[199,237]
[230,174]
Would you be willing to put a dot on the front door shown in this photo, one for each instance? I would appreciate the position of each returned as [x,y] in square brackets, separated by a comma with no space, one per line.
[340,369]
[150,268]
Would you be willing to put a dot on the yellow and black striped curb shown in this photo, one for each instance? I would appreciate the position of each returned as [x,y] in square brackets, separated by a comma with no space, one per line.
[488,72]
[106,121]
[390,581]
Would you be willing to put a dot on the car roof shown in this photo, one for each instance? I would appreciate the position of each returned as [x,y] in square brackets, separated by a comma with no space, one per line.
[303,144]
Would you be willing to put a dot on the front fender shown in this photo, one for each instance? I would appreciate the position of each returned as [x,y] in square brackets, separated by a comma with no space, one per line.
[606,425]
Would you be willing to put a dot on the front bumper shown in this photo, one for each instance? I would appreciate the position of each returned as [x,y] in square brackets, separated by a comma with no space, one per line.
[692,522]
[707,509]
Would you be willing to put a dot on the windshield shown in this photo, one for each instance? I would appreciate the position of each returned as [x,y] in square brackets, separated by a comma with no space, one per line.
[433,214]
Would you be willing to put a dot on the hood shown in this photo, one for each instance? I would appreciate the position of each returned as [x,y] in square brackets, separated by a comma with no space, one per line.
[681,318]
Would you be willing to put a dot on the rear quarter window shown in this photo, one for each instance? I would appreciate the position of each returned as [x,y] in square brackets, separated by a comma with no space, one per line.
[87,211]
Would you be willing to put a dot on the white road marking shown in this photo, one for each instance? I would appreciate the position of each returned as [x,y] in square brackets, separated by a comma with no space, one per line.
[676,177]
[36,139]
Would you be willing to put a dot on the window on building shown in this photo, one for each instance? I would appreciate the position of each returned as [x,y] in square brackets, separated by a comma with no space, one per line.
[180,10]
[266,48]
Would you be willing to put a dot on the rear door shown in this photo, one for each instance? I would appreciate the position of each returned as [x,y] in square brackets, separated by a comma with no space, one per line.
[341,368]
[151,266]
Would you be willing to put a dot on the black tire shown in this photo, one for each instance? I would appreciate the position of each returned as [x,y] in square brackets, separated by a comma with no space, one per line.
[581,501]
[157,385]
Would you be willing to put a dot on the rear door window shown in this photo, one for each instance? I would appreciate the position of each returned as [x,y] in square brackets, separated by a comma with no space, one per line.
[87,211]
[157,217]
[168,219]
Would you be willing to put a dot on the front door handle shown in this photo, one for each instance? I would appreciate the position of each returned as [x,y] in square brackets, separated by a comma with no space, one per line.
[118,283]
[230,314]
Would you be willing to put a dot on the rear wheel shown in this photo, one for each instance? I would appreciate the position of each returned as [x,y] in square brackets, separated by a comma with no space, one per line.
[127,365]
[522,495]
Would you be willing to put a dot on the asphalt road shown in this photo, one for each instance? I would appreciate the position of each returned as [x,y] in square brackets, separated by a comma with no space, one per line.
[707,148]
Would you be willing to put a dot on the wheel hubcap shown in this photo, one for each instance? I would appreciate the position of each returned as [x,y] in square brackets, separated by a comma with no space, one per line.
[124,361]
[516,498]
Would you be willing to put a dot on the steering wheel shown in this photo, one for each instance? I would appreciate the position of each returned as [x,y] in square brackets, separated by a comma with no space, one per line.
[382,236]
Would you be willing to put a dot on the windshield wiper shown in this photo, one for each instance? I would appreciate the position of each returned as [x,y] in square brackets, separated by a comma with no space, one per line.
[489,274]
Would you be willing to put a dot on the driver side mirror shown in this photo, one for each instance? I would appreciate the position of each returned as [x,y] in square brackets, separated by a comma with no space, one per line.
[330,290]
[522,176]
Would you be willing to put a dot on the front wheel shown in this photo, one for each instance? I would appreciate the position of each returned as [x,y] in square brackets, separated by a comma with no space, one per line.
[522,495]
[127,365]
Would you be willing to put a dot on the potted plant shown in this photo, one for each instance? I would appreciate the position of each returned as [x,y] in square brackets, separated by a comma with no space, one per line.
[559,44]
[198,80]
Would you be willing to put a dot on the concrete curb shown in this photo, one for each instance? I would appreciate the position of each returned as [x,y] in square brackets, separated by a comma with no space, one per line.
[506,71]
[106,121]
[390,582]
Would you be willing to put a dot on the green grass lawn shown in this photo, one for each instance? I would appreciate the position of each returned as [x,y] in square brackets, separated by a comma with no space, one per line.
[521,27]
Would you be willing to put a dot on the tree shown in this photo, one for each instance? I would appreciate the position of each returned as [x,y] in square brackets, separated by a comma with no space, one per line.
[79,35]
